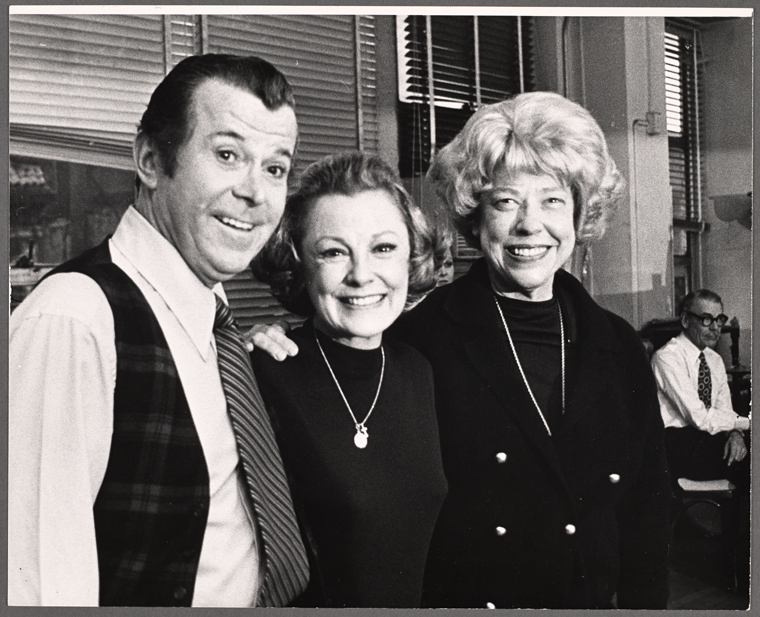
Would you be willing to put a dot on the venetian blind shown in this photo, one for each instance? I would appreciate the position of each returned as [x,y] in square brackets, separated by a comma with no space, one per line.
[368,82]
[474,61]
[81,82]
[684,116]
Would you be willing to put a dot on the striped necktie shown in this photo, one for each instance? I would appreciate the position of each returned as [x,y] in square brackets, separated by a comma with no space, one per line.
[704,383]
[286,566]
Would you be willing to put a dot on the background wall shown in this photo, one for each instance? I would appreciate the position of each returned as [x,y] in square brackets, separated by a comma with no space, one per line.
[631,263]
[614,67]
[727,248]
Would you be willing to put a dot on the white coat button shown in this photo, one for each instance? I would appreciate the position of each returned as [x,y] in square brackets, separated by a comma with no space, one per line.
[490,605]
[501,457]
[500,531]
[569,529]
[614,478]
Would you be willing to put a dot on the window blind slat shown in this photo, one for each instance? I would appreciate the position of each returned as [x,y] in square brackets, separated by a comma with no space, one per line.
[117,26]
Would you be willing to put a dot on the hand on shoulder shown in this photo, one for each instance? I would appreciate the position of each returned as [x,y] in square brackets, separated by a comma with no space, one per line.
[271,338]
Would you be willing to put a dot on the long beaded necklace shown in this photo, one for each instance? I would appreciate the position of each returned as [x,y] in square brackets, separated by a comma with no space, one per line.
[362,436]
[519,366]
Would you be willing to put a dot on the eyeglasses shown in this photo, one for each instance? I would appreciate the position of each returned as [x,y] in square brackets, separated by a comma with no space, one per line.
[707,320]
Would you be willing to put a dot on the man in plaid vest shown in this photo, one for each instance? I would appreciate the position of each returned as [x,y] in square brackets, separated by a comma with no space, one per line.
[126,486]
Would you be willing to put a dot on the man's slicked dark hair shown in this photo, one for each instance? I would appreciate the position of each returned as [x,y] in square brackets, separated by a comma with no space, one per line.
[167,120]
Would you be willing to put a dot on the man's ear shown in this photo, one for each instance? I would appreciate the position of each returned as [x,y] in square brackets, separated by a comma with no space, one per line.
[684,320]
[147,162]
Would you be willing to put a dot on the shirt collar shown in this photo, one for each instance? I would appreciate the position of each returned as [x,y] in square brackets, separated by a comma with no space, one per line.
[164,269]
[690,349]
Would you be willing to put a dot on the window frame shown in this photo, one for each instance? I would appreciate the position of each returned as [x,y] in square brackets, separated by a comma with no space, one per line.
[684,77]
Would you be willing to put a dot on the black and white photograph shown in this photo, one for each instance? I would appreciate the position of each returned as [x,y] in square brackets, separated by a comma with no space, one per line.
[339,307]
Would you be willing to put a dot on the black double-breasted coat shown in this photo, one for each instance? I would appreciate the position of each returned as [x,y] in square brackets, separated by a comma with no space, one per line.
[532,520]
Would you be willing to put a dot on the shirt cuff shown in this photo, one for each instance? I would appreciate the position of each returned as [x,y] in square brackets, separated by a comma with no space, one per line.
[741,424]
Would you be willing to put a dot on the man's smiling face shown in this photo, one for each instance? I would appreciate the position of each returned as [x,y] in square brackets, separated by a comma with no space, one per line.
[702,336]
[228,191]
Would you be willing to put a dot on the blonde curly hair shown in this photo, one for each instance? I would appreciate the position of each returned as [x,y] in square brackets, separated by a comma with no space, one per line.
[534,132]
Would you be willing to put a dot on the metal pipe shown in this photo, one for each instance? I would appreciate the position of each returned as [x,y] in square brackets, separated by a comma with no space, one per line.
[431,88]
[359,97]
[476,35]
[696,126]
[204,34]
[520,53]
[167,28]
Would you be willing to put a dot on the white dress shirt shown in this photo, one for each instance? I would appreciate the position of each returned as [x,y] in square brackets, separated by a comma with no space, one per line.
[676,369]
[62,377]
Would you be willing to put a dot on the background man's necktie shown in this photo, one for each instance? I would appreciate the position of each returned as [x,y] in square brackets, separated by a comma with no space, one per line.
[286,564]
[704,384]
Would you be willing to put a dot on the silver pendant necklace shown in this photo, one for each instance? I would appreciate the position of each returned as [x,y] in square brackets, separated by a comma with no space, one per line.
[362,436]
[519,366]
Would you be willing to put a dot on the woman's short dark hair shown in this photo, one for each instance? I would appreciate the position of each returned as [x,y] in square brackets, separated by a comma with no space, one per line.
[279,263]
[534,132]
[167,121]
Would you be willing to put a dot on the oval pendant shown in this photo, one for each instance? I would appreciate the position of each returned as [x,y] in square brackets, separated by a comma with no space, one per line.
[360,439]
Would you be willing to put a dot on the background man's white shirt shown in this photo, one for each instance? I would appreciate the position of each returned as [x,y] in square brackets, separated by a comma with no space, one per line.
[676,370]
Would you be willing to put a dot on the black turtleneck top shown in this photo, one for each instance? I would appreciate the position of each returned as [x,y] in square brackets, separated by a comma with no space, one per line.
[535,330]
[367,515]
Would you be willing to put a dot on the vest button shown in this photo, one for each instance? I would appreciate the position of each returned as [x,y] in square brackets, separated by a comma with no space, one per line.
[500,531]
[490,605]
[614,478]
[199,510]
[180,592]
[569,529]
[501,457]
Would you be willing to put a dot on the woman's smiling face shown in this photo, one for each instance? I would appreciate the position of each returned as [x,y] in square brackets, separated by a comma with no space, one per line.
[355,256]
[527,232]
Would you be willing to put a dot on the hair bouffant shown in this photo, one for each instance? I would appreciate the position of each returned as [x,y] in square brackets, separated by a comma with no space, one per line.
[535,132]
[279,262]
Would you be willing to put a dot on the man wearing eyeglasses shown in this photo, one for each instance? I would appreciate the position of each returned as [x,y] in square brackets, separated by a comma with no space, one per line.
[704,436]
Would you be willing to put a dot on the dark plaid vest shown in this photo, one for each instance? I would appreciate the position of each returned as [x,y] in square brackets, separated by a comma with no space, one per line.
[151,511]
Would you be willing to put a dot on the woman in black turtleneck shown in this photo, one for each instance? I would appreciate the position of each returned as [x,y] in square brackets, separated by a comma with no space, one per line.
[354,413]
[551,435]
